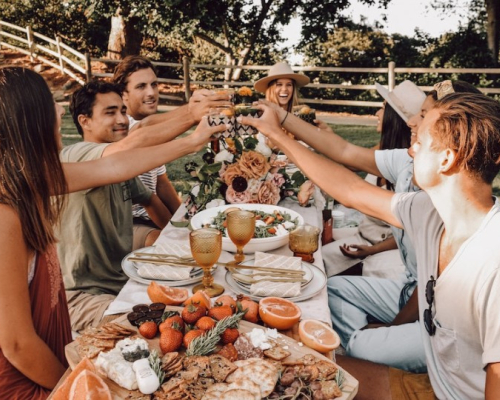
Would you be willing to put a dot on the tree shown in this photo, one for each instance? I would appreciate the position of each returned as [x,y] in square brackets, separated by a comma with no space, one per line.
[476,10]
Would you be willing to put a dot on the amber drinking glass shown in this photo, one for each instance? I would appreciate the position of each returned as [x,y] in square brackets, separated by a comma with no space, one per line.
[304,242]
[240,229]
[206,246]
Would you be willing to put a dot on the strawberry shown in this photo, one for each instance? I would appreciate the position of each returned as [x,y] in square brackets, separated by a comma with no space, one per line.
[229,335]
[169,322]
[205,323]
[188,337]
[219,312]
[193,312]
[170,340]
[245,303]
[227,300]
[148,329]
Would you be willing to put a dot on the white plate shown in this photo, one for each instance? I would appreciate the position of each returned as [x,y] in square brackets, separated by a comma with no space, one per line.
[312,289]
[306,267]
[257,244]
[130,269]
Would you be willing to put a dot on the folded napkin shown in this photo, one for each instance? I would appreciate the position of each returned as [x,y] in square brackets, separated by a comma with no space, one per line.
[166,272]
[276,289]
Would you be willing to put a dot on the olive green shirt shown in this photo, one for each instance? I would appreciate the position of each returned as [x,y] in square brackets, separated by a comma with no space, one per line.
[96,228]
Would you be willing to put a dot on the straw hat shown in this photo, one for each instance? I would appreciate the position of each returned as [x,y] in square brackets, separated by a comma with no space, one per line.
[280,70]
[406,98]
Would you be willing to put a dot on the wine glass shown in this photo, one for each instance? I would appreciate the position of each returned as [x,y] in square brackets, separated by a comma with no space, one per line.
[240,229]
[303,242]
[206,246]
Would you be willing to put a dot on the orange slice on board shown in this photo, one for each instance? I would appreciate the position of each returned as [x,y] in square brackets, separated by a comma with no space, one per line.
[166,294]
[88,385]
[201,298]
[318,336]
[62,392]
[279,313]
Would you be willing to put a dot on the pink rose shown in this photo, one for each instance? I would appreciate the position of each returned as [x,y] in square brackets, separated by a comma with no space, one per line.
[268,193]
[233,196]
[278,180]
[306,190]
[253,165]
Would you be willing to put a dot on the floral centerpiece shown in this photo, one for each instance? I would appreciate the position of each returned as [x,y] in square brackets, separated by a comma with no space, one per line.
[246,170]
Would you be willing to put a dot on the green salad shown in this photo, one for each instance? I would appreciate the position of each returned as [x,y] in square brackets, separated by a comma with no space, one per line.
[266,224]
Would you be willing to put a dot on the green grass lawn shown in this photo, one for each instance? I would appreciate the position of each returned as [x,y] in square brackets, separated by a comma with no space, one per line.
[365,136]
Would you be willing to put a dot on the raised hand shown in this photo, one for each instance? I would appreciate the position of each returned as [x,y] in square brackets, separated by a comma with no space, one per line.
[204,132]
[203,99]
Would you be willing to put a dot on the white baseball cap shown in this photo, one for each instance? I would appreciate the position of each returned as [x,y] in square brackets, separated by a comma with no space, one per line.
[406,98]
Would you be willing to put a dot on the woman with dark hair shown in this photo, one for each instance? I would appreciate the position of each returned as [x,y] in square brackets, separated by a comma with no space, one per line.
[34,320]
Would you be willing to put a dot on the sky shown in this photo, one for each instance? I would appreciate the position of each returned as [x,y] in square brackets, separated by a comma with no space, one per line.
[403,16]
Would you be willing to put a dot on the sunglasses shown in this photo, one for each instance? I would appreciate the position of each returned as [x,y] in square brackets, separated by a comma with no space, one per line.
[429,296]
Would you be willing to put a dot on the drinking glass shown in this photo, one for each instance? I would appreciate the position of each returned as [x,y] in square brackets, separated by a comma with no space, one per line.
[240,229]
[206,246]
[222,115]
[303,242]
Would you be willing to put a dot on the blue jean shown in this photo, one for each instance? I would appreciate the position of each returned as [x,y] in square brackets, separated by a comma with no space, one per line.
[352,299]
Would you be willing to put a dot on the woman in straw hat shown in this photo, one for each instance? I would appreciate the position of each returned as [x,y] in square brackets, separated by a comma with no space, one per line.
[281,85]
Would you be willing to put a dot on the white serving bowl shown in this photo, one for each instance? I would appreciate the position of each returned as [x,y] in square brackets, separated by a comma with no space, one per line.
[256,244]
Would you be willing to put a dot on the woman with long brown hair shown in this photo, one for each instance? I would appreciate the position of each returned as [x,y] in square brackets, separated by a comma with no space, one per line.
[34,320]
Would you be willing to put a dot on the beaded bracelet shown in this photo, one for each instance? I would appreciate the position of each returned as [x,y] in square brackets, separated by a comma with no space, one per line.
[284,119]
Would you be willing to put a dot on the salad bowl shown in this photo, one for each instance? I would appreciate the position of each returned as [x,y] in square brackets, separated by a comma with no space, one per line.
[214,217]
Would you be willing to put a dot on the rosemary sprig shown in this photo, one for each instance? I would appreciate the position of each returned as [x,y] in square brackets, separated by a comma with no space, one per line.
[155,363]
[205,344]
[340,378]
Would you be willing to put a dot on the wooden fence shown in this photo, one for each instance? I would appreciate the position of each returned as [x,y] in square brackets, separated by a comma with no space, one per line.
[55,53]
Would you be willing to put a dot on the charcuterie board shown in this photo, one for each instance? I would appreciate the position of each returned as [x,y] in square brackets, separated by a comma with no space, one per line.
[297,350]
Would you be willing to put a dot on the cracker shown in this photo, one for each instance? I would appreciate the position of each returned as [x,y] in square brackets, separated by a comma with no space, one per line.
[247,384]
[221,367]
[330,389]
[215,391]
[237,394]
[277,353]
[327,370]
[88,350]
[260,371]
[171,384]
[200,362]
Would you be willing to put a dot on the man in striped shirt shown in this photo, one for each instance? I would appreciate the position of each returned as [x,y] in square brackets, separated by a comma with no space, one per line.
[137,76]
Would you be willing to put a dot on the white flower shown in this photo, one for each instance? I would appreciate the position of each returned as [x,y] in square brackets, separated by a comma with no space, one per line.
[224,155]
[215,203]
[262,147]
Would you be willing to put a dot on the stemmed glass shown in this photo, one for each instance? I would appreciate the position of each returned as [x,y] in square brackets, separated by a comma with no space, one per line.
[206,246]
[240,229]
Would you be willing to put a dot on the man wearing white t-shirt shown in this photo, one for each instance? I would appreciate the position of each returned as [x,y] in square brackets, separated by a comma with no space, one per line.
[454,225]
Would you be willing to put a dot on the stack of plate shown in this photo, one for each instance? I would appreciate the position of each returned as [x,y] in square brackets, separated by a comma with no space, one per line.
[315,281]
[130,268]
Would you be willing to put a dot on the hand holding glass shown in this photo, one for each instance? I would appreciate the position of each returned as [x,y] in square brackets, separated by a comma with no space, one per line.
[304,242]
[206,246]
[240,229]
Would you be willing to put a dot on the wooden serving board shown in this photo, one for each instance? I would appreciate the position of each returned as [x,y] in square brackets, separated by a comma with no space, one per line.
[349,389]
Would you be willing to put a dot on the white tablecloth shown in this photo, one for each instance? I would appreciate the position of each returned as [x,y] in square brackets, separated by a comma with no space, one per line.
[316,308]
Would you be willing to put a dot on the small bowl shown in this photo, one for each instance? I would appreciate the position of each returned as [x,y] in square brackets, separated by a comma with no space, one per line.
[273,311]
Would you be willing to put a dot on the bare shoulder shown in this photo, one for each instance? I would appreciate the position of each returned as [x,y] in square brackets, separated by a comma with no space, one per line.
[10,221]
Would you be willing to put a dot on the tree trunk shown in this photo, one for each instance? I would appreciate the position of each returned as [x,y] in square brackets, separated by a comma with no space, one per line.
[493,27]
[124,39]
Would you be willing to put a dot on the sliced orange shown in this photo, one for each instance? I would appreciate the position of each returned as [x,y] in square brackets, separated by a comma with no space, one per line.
[201,298]
[88,385]
[62,392]
[279,313]
[318,336]
[166,294]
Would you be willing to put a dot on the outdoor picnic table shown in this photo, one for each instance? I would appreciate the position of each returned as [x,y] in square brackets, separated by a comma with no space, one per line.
[315,308]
